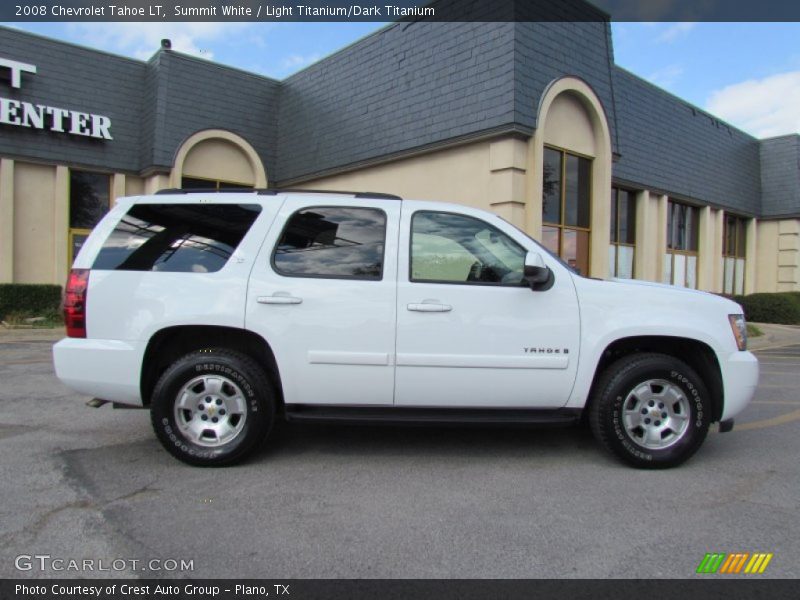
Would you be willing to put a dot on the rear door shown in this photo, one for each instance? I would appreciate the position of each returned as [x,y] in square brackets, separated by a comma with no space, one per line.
[322,292]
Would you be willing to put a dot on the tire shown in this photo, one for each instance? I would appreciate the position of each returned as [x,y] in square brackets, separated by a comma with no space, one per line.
[676,405]
[212,407]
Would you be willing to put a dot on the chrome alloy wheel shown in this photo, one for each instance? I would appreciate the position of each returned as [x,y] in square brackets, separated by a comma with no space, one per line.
[210,410]
[656,414]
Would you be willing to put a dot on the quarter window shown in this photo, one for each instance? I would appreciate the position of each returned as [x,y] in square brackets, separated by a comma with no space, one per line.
[450,248]
[176,238]
[333,243]
[566,207]
[680,262]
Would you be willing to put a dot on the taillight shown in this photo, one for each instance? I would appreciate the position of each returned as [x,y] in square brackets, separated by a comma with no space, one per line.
[75,303]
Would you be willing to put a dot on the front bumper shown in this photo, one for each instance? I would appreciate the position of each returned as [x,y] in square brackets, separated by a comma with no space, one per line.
[740,378]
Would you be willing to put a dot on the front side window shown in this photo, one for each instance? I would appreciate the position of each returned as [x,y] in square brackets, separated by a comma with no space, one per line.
[566,207]
[176,238]
[451,248]
[623,233]
[680,262]
[733,254]
[333,242]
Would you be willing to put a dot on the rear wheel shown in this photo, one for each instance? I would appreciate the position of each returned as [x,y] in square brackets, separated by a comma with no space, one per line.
[212,407]
[650,410]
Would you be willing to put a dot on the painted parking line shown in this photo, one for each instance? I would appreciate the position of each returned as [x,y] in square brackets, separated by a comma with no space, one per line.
[774,422]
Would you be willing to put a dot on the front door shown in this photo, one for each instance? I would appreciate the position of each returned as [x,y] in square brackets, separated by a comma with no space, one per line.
[470,332]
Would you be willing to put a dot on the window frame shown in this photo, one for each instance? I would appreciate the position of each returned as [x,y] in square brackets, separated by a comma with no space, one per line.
[562,226]
[616,190]
[217,182]
[274,250]
[495,284]
[73,231]
[738,221]
[672,252]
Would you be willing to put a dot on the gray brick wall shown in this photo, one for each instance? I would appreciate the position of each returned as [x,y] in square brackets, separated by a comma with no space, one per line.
[405,86]
[190,95]
[548,51]
[63,73]
[667,144]
[780,176]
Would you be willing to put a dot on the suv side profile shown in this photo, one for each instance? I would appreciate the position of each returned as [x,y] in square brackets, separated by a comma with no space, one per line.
[224,311]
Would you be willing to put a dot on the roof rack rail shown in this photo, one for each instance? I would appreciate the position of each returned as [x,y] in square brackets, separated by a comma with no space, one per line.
[276,191]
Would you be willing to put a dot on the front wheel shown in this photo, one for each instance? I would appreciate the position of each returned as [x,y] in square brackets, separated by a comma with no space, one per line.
[650,410]
[212,407]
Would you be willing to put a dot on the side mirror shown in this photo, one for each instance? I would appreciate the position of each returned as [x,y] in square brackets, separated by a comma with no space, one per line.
[536,273]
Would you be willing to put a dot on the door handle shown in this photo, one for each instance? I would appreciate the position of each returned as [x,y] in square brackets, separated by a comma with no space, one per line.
[429,307]
[278,299]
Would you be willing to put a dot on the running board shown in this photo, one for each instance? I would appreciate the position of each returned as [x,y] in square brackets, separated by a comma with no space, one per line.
[391,415]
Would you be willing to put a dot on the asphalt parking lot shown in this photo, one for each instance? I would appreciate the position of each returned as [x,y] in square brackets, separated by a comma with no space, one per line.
[335,501]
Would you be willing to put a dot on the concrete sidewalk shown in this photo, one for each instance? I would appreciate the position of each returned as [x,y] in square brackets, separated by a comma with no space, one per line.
[774,335]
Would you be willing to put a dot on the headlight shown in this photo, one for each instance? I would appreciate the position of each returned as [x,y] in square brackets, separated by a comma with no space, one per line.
[739,328]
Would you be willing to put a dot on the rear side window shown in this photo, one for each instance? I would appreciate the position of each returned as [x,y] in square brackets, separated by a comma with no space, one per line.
[333,243]
[176,238]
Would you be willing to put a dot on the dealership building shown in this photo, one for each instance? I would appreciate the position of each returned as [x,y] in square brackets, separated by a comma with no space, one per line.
[531,120]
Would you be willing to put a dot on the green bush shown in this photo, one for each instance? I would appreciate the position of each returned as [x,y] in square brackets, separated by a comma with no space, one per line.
[782,308]
[29,299]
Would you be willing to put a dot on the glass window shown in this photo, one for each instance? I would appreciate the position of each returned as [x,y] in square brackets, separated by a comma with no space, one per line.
[333,242]
[176,238]
[197,183]
[733,254]
[566,207]
[89,195]
[551,194]
[682,244]
[449,248]
[623,233]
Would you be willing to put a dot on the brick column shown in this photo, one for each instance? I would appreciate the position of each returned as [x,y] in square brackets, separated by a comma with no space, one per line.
[508,160]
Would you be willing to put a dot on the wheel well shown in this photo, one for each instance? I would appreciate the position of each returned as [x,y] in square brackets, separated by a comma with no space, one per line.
[168,345]
[698,355]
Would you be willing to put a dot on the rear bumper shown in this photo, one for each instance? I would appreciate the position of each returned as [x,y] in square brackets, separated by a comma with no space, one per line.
[107,369]
[740,378]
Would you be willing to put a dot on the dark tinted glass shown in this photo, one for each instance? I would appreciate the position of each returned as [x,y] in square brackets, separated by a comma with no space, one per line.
[198,184]
[551,193]
[683,227]
[741,238]
[333,242]
[183,238]
[615,194]
[88,198]
[627,218]
[578,175]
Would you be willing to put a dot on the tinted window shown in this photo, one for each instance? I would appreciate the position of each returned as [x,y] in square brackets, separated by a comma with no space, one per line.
[449,248]
[185,238]
[332,242]
[88,198]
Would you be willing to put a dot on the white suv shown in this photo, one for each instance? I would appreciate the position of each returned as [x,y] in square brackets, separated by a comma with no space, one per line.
[222,312]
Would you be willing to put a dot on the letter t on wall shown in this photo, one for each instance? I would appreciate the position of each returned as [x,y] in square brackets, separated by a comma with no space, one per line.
[16,70]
